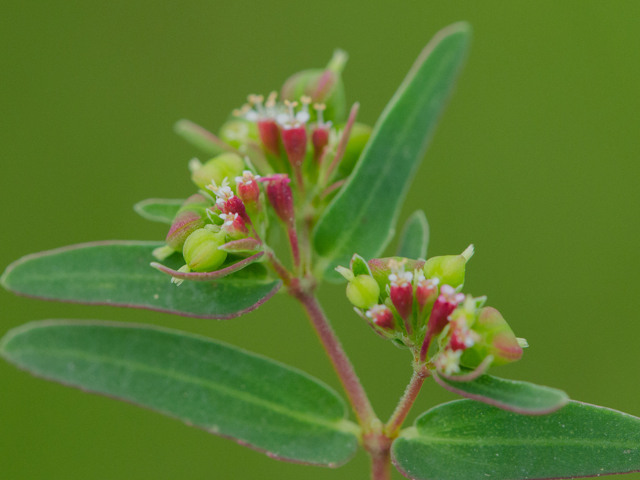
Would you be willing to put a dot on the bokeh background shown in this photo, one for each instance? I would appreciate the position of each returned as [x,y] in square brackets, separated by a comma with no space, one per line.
[536,161]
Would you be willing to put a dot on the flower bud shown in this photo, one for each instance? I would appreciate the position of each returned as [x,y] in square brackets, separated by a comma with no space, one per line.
[448,361]
[495,337]
[358,138]
[238,132]
[363,291]
[382,316]
[227,165]
[323,86]
[201,250]
[191,216]
[449,269]
[426,291]
[234,226]
[270,135]
[461,336]
[248,189]
[294,140]
[401,293]
[444,305]
[280,197]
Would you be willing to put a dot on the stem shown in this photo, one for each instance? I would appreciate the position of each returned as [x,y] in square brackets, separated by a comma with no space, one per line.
[341,363]
[392,427]
[381,465]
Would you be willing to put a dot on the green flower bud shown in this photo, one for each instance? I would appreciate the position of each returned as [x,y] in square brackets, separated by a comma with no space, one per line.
[227,165]
[363,291]
[496,338]
[191,216]
[359,137]
[323,86]
[449,269]
[238,132]
[201,250]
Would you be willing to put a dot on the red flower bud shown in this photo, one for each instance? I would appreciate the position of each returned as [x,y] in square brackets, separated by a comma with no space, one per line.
[294,140]
[382,316]
[320,139]
[270,135]
[248,189]
[280,197]
[401,295]
[444,306]
[426,291]
[234,226]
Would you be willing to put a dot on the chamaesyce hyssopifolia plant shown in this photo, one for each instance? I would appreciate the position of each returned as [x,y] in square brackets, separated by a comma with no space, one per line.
[293,191]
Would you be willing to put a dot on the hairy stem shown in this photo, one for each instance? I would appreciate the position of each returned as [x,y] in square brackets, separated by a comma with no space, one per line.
[381,465]
[341,363]
[398,417]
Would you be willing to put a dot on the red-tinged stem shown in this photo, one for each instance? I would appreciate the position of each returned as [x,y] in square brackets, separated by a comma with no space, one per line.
[332,188]
[280,269]
[344,139]
[295,248]
[381,465]
[341,363]
[392,427]
[425,345]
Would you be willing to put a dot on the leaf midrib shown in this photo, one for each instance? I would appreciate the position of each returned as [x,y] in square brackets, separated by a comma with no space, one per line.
[189,379]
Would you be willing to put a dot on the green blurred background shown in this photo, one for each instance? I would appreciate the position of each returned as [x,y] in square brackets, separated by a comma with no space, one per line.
[535,161]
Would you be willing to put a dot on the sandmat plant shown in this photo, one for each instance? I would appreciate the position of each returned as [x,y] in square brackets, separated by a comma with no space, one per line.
[295,191]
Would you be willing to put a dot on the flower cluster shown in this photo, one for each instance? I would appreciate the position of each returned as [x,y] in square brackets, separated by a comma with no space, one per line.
[419,305]
[276,158]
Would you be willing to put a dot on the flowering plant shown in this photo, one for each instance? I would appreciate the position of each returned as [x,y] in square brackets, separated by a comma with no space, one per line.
[294,192]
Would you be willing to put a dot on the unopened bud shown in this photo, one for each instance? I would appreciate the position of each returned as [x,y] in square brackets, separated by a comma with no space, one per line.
[191,216]
[269,135]
[444,305]
[234,226]
[381,268]
[280,197]
[461,336]
[382,316]
[426,291]
[495,338]
[448,269]
[320,139]
[363,291]
[227,165]
[294,140]
[401,293]
[201,250]
[238,132]
[248,189]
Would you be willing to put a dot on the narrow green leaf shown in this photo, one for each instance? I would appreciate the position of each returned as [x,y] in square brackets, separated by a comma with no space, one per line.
[158,209]
[118,273]
[520,397]
[362,217]
[256,401]
[473,441]
[201,138]
[414,239]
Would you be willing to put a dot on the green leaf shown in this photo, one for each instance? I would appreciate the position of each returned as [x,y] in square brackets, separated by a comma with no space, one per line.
[158,209]
[118,273]
[473,441]
[520,397]
[256,401]
[415,237]
[362,217]
[201,138]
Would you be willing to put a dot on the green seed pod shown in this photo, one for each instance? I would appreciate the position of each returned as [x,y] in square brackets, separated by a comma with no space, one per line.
[496,338]
[227,165]
[201,250]
[323,86]
[191,216]
[363,291]
[359,137]
[449,269]
[237,132]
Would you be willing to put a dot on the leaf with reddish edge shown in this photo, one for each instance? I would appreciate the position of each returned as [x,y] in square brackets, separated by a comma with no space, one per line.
[202,138]
[158,209]
[208,276]
[519,397]
[414,238]
[362,216]
[259,403]
[117,273]
[241,246]
[473,441]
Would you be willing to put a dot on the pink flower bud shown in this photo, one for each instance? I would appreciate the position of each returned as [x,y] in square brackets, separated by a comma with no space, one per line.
[234,226]
[280,197]
[320,139]
[401,295]
[248,189]
[269,135]
[426,291]
[294,140]
[461,337]
[382,316]
[444,306]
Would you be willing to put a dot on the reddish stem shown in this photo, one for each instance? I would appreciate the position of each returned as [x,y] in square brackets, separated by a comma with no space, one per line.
[341,363]
[295,248]
[392,427]
[344,139]
[381,465]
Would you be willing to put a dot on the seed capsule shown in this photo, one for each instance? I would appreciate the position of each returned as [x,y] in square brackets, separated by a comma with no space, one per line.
[201,250]
[363,291]
[227,165]
[191,216]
